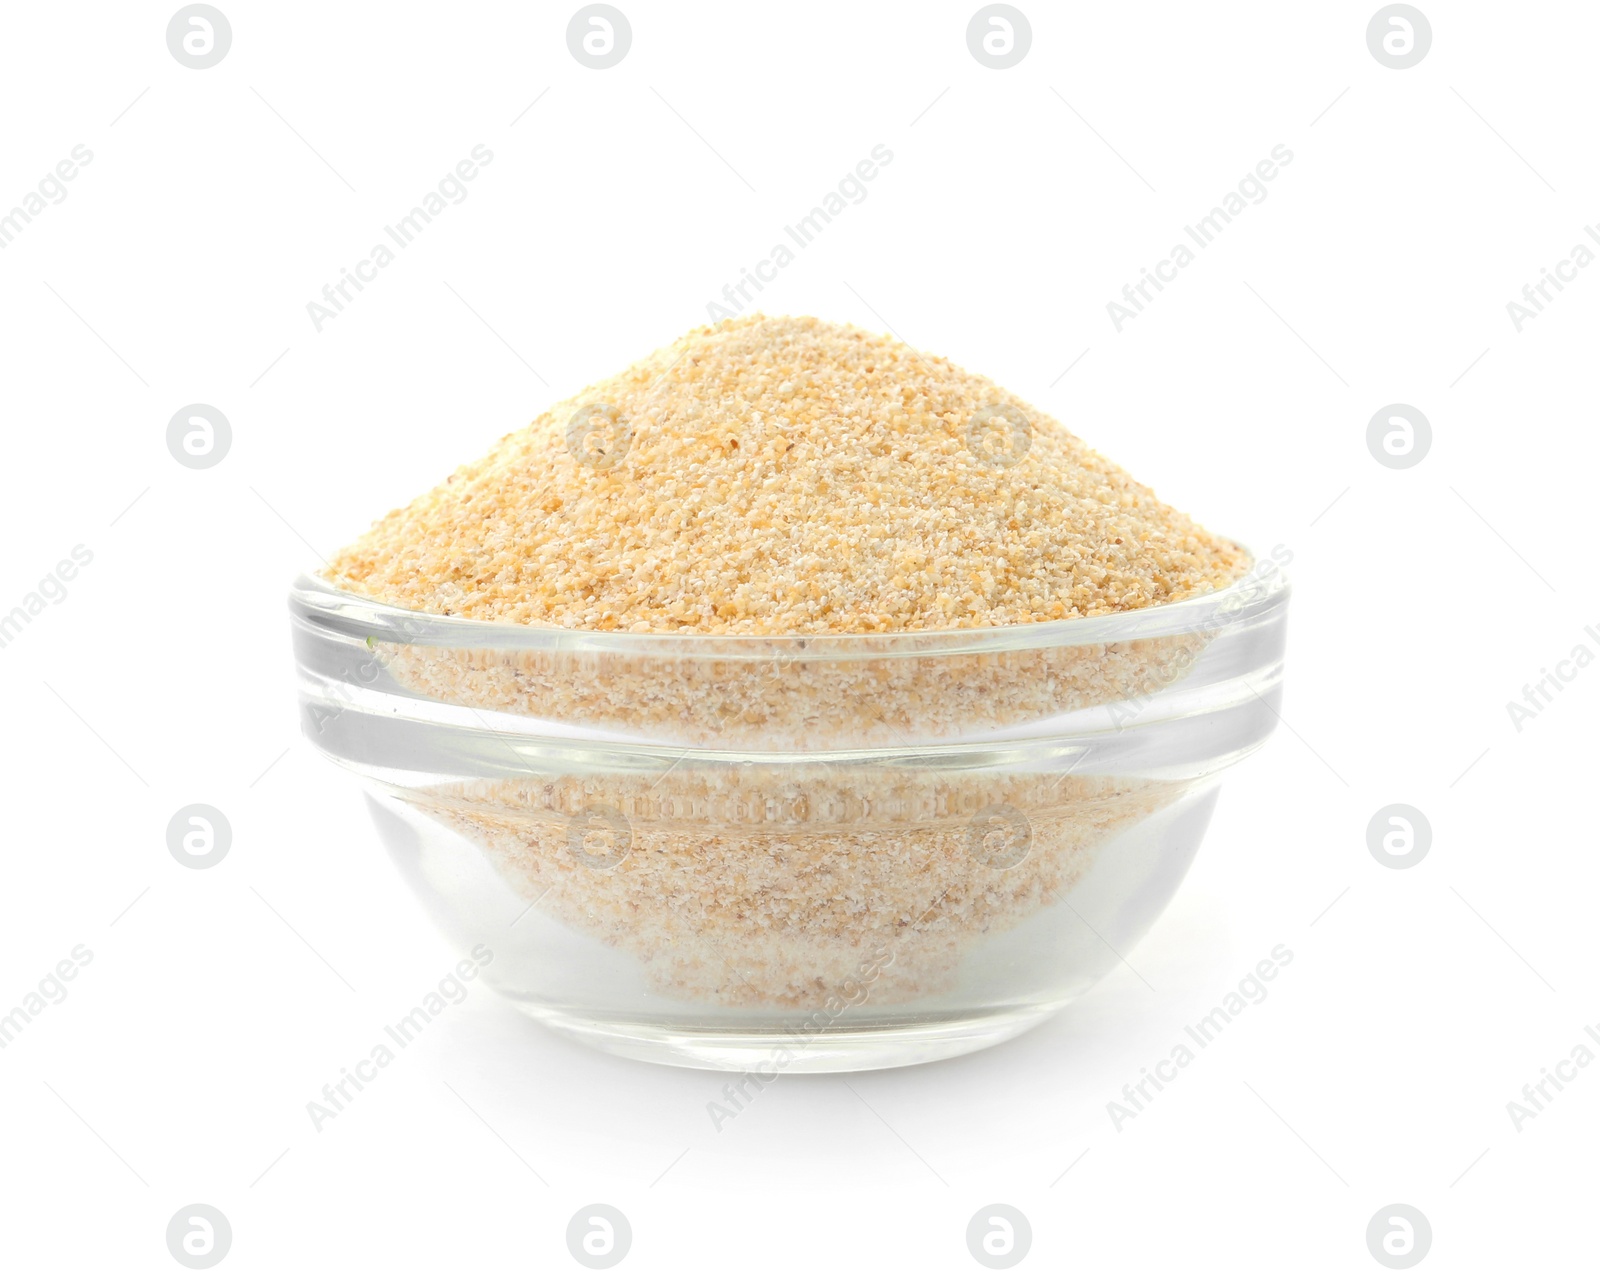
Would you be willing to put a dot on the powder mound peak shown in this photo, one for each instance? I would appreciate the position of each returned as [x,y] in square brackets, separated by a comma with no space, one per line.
[787,476]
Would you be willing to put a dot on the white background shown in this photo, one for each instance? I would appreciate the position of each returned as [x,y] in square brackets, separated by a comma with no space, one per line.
[1017,204]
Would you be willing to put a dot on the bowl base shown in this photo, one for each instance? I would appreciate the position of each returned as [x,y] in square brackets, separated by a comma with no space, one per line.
[920,1038]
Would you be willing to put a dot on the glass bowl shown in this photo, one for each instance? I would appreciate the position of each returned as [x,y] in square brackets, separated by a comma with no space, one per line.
[793,854]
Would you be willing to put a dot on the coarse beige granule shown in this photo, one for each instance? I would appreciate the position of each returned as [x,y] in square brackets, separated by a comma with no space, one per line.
[781,701]
[787,476]
[786,891]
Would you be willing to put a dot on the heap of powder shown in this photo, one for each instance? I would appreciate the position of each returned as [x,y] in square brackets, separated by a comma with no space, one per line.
[776,476]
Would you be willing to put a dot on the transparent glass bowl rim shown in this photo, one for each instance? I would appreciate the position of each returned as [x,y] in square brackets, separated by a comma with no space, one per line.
[1246,601]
